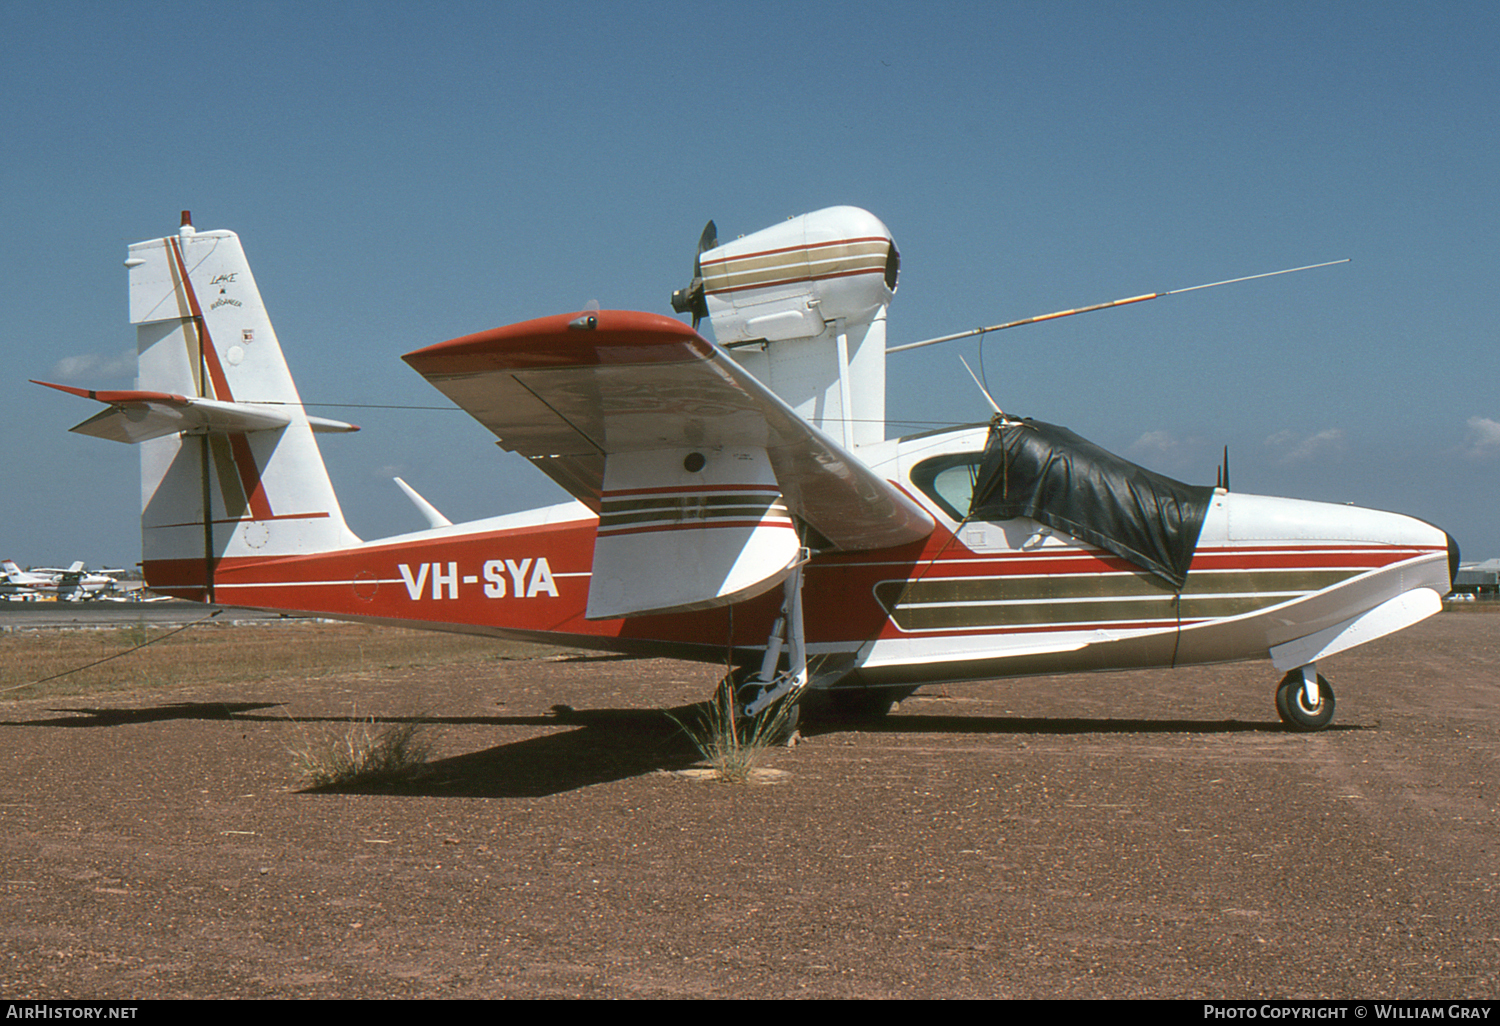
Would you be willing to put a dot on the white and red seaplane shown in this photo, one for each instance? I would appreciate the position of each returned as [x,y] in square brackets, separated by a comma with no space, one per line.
[739,498]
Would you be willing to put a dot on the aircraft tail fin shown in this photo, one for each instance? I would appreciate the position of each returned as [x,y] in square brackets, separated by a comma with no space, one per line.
[229,464]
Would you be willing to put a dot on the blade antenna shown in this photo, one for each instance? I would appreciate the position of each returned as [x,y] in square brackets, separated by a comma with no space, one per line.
[1105,306]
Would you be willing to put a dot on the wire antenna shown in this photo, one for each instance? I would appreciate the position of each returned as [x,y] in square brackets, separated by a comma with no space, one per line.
[1104,306]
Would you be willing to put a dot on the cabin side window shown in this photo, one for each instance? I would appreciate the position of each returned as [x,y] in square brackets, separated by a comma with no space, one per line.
[949,480]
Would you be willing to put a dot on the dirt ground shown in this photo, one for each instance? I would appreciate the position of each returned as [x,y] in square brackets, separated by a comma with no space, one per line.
[1147,834]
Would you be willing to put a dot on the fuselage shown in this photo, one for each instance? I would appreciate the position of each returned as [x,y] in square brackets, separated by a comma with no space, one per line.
[974,600]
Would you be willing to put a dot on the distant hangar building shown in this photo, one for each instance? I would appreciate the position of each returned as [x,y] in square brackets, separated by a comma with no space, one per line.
[1482,580]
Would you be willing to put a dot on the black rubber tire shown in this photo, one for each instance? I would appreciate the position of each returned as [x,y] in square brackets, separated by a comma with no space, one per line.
[780,717]
[1292,707]
[777,723]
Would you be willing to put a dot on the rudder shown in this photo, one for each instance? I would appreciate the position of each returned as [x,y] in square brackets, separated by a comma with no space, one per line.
[216,491]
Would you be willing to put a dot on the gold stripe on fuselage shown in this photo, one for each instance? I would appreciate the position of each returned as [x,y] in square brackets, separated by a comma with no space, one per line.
[957,603]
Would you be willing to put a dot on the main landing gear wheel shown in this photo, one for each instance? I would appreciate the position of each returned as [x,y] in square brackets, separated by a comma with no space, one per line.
[777,723]
[1292,705]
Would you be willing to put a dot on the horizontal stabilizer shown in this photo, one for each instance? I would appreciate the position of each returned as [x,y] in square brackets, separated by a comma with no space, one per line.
[137,416]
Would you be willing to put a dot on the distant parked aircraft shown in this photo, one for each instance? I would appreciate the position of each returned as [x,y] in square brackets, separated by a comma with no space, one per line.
[71,585]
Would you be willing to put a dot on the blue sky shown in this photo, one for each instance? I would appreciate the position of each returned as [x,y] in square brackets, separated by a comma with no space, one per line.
[401,174]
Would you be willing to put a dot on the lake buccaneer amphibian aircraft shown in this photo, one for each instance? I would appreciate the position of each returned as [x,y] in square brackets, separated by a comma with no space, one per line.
[740,497]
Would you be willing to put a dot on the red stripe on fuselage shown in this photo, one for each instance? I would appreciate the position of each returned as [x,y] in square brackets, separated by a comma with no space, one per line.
[839,601]
[1320,556]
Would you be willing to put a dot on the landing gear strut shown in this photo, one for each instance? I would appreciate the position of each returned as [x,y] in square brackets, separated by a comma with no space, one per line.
[1304,700]
[773,696]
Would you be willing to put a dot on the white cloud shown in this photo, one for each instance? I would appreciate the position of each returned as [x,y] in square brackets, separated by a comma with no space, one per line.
[95,368]
[1295,448]
[1155,443]
[1484,438]
[1167,453]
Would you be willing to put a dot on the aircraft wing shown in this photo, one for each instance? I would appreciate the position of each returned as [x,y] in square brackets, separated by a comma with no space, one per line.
[659,430]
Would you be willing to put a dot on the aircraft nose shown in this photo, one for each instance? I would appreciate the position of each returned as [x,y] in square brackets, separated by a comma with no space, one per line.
[1250,519]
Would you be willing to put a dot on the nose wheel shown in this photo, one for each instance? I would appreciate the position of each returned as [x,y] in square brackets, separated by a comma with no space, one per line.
[1304,700]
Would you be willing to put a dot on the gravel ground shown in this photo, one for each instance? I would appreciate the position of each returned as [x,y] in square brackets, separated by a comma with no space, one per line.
[1145,834]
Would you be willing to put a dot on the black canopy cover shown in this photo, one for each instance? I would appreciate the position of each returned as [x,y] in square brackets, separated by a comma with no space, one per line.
[1053,476]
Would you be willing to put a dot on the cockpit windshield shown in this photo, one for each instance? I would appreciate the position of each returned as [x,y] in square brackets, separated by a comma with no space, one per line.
[1047,473]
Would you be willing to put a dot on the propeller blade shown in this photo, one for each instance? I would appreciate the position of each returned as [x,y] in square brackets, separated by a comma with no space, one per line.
[691,299]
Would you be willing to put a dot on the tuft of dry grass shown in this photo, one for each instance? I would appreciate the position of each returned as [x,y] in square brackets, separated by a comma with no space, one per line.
[362,754]
[215,652]
[733,748]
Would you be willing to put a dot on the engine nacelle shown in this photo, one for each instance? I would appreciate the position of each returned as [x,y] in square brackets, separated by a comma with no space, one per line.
[801,305]
[788,280]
